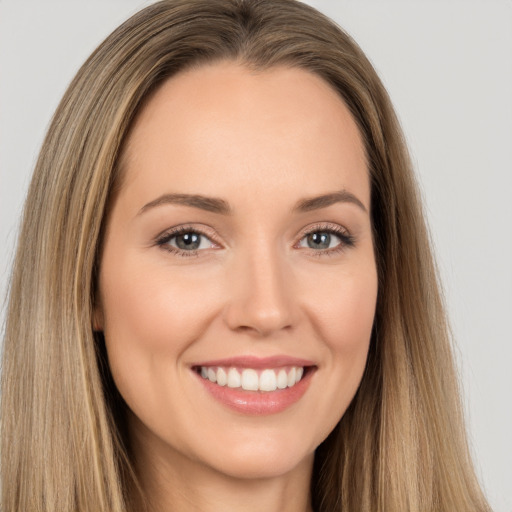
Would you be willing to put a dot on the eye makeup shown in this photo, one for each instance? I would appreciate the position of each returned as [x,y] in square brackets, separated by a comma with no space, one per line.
[318,240]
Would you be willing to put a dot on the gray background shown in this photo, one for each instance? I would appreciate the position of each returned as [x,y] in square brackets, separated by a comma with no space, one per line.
[448,68]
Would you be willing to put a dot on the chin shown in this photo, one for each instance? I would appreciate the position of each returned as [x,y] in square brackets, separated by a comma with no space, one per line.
[266,458]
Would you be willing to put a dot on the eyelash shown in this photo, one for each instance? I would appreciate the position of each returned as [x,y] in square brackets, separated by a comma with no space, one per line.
[164,239]
[346,240]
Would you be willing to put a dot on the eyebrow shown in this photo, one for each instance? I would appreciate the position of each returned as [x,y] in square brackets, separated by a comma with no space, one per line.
[220,206]
[325,200]
[210,204]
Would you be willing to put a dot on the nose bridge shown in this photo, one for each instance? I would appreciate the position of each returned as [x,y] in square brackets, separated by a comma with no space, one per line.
[261,298]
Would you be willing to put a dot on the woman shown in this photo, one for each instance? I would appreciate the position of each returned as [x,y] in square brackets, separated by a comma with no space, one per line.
[243,153]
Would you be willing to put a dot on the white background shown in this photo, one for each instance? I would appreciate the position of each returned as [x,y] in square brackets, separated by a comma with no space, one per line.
[448,68]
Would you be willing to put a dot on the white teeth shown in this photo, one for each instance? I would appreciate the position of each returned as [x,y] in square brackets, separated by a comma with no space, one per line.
[222,378]
[250,379]
[234,379]
[268,380]
[282,379]
[291,377]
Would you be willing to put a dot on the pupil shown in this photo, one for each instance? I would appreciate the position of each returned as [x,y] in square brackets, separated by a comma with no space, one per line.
[188,241]
[319,240]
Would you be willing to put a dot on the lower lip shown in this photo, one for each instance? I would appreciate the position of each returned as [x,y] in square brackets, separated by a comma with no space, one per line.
[258,402]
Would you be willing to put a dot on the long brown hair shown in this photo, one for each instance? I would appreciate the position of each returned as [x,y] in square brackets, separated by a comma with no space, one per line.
[401,444]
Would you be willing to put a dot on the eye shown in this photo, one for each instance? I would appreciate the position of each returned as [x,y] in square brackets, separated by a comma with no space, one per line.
[185,240]
[326,239]
[189,241]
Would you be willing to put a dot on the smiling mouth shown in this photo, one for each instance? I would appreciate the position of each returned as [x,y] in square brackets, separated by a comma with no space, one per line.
[255,385]
[251,379]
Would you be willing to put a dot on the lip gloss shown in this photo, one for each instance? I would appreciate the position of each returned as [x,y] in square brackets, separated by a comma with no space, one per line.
[257,402]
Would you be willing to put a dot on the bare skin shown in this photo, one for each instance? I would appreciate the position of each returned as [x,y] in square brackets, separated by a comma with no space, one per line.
[276,262]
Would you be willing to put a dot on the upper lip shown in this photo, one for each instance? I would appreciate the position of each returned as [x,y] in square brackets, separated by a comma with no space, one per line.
[257,362]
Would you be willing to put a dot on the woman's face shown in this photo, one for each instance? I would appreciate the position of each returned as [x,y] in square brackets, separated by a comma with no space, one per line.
[239,250]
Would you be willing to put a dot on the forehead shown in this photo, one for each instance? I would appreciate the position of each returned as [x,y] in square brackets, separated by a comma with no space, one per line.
[224,127]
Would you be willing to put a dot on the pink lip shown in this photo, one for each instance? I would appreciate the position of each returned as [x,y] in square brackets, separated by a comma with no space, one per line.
[257,402]
[257,362]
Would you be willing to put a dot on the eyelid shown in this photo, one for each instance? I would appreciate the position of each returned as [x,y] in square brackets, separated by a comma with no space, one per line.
[344,235]
[201,229]
[324,226]
[347,240]
[164,237]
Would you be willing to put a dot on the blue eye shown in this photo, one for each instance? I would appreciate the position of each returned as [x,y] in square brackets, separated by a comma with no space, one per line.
[321,240]
[188,241]
[185,240]
[326,239]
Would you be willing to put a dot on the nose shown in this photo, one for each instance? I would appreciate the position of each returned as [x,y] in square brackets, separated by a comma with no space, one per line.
[261,296]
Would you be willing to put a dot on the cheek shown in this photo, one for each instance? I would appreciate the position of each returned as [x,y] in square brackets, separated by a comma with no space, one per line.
[343,308]
[154,307]
[352,321]
[151,316]
[343,317]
